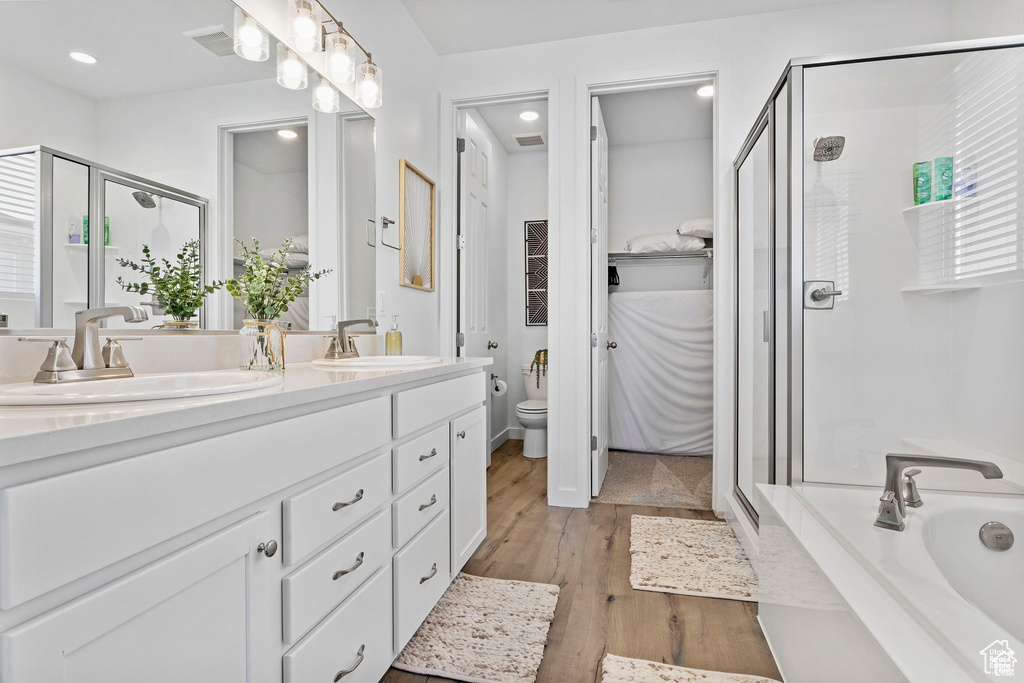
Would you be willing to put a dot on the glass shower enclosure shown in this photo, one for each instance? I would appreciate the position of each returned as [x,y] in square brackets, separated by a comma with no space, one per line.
[58,256]
[880,244]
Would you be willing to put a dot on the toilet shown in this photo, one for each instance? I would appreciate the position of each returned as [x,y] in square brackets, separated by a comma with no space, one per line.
[533,413]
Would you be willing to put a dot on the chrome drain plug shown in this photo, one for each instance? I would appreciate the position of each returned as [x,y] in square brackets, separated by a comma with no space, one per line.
[996,536]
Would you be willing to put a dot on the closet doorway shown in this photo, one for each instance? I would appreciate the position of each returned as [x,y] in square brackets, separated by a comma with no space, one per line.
[652,292]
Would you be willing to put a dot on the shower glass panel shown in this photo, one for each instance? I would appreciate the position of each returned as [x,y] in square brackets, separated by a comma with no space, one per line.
[754,438]
[920,224]
[70,253]
[19,238]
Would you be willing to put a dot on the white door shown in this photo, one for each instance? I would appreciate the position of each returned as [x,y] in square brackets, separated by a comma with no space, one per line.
[475,206]
[205,614]
[599,415]
[468,486]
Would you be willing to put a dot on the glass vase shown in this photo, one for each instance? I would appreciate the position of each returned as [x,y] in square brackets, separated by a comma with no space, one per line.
[261,345]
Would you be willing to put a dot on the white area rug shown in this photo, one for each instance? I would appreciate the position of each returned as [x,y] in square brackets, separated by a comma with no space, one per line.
[689,557]
[484,631]
[616,669]
[664,481]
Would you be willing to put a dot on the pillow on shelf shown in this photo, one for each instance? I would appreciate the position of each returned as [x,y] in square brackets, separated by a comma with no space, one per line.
[697,227]
[663,242]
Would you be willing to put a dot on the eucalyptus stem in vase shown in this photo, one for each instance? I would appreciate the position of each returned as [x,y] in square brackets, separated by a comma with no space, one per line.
[265,290]
[177,287]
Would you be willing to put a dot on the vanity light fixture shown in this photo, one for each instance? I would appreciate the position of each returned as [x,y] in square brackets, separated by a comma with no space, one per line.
[291,70]
[82,57]
[529,115]
[312,28]
[251,41]
[287,133]
[325,97]
[706,90]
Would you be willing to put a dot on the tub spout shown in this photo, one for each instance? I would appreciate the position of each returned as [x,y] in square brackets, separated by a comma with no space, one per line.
[895,463]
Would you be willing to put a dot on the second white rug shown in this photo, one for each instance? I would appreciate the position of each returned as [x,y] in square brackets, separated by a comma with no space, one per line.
[625,670]
[484,631]
[689,557]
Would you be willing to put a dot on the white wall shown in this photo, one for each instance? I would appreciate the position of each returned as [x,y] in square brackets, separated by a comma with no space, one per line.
[527,201]
[36,112]
[654,187]
[269,206]
[748,54]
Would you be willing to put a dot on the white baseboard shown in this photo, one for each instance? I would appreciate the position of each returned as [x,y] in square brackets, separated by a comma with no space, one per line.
[497,441]
[517,433]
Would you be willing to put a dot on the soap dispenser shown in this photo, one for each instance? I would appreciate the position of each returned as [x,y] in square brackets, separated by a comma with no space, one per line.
[393,339]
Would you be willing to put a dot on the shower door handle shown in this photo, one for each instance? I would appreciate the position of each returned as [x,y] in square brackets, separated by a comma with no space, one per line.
[820,294]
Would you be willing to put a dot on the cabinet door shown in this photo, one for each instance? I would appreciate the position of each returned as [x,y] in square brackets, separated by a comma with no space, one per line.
[205,614]
[468,485]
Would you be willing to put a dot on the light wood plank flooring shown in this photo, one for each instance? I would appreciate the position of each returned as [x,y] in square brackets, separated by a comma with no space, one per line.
[586,552]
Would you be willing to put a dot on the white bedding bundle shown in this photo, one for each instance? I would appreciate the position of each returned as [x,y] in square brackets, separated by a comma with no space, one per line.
[663,242]
[297,255]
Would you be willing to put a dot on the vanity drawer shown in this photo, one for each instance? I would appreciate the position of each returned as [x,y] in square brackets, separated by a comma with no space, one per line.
[423,406]
[56,530]
[317,515]
[315,588]
[356,635]
[413,510]
[421,577]
[420,457]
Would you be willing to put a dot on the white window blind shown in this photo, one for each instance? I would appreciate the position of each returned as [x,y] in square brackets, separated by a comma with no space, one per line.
[18,229]
[981,231]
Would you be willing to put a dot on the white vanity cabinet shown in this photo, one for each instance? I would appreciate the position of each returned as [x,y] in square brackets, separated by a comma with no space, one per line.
[292,551]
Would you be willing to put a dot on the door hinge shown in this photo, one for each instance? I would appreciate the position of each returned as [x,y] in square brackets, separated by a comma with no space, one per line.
[593,339]
[593,133]
[593,236]
[460,340]
[593,443]
[460,145]
[460,242]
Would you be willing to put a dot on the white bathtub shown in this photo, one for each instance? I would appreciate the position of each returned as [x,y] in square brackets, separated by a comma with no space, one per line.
[918,605]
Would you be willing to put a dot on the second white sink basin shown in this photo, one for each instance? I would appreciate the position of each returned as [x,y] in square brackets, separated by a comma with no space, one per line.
[377,363]
[138,388]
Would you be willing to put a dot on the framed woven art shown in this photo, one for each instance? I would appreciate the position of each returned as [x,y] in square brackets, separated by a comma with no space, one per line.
[536,272]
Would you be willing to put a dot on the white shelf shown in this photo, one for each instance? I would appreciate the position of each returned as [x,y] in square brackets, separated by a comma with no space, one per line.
[85,247]
[917,208]
[938,289]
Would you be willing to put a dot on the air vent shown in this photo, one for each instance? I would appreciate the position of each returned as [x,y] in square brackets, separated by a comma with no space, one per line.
[529,140]
[213,38]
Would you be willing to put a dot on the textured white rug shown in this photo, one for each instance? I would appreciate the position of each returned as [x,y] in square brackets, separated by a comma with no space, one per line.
[689,557]
[616,669]
[484,631]
[664,481]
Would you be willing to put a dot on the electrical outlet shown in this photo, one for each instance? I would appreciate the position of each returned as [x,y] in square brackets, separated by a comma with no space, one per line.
[382,299]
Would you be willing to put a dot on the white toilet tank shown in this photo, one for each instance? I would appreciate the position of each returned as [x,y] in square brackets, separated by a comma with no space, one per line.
[533,393]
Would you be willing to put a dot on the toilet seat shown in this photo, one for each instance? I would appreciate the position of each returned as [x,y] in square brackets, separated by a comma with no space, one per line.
[532,406]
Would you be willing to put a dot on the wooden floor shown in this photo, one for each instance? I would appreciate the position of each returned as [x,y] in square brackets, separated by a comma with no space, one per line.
[586,552]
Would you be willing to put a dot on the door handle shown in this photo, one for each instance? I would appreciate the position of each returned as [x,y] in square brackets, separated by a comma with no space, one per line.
[359,660]
[428,577]
[341,572]
[611,345]
[822,293]
[492,345]
[431,454]
[433,501]
[269,548]
[359,497]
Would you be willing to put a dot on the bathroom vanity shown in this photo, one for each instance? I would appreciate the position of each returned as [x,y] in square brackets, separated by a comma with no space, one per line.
[299,533]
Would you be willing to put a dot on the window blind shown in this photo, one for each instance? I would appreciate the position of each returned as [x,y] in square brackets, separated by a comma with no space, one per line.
[18,229]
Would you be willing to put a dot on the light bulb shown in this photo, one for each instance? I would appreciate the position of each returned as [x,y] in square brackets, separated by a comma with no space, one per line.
[304,26]
[369,87]
[291,71]
[368,90]
[707,90]
[529,115]
[325,97]
[251,41]
[341,58]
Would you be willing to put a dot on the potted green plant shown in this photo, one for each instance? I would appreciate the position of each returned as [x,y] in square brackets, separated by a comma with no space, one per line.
[540,362]
[177,288]
[265,289]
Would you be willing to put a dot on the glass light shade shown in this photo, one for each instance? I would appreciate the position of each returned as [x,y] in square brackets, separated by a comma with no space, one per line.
[251,41]
[369,88]
[341,58]
[291,71]
[304,25]
[325,97]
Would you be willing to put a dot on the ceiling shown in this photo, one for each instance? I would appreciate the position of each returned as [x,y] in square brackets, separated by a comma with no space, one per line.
[504,122]
[138,44]
[267,152]
[652,116]
[454,26]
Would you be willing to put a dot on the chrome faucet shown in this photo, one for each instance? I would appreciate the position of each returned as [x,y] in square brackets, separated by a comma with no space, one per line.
[342,345]
[87,360]
[893,509]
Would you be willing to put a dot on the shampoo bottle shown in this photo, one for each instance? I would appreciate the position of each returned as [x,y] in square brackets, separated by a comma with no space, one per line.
[393,339]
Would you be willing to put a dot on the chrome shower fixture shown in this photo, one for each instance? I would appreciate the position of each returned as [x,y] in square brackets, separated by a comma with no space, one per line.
[144,199]
[829,148]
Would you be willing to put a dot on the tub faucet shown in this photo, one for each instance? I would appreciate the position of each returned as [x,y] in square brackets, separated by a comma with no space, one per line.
[893,508]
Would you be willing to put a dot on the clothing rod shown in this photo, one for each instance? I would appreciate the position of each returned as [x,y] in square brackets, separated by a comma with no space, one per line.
[705,253]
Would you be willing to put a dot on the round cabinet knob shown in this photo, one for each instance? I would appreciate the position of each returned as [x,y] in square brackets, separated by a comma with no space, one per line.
[611,345]
[462,434]
[269,548]
[492,345]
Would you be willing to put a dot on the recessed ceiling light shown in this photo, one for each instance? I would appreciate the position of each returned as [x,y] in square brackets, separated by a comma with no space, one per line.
[706,90]
[288,133]
[529,115]
[82,57]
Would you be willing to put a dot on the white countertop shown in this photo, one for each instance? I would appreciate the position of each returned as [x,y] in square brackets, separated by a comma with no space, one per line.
[31,432]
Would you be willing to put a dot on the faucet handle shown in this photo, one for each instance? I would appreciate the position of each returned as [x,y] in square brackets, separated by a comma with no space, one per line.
[113,354]
[911,496]
[58,357]
[889,515]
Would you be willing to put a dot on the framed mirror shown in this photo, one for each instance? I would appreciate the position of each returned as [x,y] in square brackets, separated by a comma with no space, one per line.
[152,131]
[416,228]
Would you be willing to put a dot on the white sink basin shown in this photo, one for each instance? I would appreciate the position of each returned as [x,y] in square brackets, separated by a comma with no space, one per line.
[139,388]
[377,363]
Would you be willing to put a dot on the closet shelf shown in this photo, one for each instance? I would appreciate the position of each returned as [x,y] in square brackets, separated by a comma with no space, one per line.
[626,256]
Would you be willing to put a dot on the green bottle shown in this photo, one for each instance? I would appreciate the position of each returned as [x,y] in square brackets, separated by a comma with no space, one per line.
[943,178]
[85,230]
[922,182]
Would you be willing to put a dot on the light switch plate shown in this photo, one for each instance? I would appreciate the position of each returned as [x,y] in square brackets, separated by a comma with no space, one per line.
[382,300]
